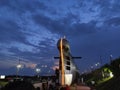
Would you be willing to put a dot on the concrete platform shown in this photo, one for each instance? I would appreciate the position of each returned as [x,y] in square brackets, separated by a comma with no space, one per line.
[80,88]
[74,87]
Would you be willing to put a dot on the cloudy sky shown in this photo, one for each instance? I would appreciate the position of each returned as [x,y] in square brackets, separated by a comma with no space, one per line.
[29,30]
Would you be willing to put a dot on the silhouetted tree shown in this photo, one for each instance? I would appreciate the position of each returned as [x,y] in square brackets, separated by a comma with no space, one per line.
[115,67]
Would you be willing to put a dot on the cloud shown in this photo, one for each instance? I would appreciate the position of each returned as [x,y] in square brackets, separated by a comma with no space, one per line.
[55,67]
[30,29]
[7,63]
[20,33]
[115,21]
[10,32]
[64,26]
[23,6]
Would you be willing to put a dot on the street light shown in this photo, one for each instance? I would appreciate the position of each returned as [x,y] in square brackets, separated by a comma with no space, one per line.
[111,56]
[38,71]
[18,68]
[97,64]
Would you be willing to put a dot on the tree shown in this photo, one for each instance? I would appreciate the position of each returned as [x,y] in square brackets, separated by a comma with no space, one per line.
[115,67]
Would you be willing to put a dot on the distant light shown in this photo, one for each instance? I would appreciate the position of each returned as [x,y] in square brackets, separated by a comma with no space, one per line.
[97,64]
[2,77]
[19,66]
[111,55]
[93,82]
[42,66]
[38,70]
[111,75]
[45,65]
[49,71]
[91,66]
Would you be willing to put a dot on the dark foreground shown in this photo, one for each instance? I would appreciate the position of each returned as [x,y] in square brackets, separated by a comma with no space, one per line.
[25,85]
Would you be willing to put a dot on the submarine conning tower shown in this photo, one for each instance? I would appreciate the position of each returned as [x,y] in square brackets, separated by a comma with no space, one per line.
[65,44]
[68,73]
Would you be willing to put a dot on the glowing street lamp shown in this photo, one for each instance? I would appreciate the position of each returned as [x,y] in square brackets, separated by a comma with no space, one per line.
[111,56]
[38,71]
[18,68]
[2,76]
[97,64]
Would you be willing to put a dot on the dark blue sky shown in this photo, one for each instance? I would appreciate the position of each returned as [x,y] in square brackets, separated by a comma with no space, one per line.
[29,30]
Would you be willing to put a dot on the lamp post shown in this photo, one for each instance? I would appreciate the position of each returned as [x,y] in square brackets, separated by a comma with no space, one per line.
[38,71]
[18,68]
[111,56]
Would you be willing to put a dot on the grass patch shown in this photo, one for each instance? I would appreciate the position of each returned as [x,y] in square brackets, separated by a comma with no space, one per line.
[111,84]
[103,80]
[3,83]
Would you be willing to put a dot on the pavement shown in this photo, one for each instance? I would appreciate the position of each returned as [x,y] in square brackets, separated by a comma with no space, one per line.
[76,87]
[80,88]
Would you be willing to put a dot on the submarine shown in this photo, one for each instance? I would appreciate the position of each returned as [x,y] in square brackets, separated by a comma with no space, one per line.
[68,72]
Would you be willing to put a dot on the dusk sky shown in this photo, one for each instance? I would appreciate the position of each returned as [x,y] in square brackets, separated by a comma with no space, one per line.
[30,29]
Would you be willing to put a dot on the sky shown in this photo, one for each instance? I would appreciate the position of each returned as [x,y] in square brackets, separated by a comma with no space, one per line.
[30,29]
